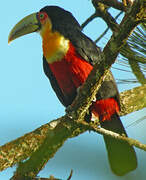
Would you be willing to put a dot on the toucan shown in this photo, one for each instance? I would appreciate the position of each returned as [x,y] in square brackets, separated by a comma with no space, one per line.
[68,58]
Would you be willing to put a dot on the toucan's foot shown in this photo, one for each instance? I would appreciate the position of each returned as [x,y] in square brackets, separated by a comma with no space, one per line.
[78,89]
[69,108]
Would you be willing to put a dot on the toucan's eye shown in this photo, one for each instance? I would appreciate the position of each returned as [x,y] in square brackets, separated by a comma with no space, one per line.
[42,16]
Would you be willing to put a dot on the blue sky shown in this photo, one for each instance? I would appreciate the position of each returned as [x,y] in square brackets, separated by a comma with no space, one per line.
[27,100]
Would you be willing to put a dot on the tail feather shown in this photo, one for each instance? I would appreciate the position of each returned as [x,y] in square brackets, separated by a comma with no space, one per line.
[121,155]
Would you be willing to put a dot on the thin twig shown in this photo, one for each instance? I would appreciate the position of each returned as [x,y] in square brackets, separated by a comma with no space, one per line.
[114,135]
[102,12]
[104,33]
[70,176]
[89,20]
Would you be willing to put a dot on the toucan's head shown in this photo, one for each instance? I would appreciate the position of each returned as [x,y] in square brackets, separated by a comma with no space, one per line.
[53,18]
[55,26]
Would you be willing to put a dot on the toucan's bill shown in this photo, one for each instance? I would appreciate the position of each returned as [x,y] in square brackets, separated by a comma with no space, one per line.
[27,25]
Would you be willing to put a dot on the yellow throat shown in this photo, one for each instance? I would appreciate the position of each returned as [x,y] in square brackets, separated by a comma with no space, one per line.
[55,46]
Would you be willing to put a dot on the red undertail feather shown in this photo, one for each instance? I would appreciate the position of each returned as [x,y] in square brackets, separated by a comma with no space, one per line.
[105,108]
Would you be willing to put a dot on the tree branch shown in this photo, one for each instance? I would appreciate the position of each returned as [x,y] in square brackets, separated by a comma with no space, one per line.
[22,148]
[113,3]
[65,128]
[126,50]
[39,178]
[133,100]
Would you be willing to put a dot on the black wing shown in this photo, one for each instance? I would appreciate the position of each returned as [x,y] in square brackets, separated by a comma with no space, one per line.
[87,49]
[66,101]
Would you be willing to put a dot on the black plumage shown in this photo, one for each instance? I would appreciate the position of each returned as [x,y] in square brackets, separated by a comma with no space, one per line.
[121,155]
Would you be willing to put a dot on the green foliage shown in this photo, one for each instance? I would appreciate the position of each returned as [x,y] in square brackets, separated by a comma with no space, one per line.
[134,53]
